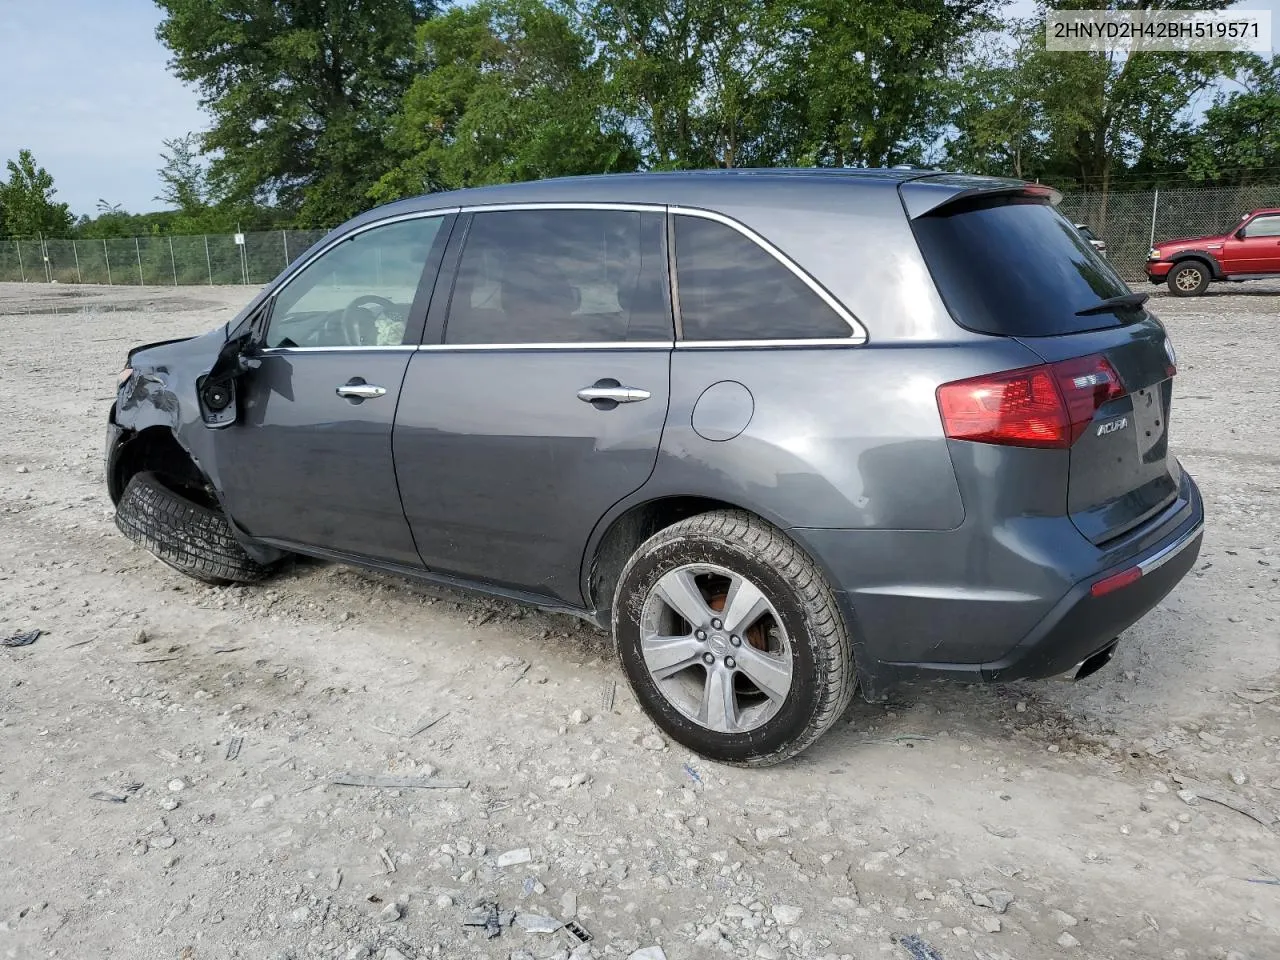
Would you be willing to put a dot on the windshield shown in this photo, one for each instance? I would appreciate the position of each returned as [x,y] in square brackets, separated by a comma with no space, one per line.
[1018,268]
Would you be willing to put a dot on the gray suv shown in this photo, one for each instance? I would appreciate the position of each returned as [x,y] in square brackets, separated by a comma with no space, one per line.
[787,433]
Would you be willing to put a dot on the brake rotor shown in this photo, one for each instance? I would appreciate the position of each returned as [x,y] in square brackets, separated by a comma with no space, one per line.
[755,635]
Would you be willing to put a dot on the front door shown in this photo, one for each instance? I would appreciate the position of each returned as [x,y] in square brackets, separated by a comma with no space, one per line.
[1258,251]
[308,462]
[545,403]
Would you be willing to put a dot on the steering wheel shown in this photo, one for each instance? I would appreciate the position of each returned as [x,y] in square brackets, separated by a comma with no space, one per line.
[352,331]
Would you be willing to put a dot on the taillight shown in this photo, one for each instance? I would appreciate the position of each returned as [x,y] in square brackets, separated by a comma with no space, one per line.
[1044,406]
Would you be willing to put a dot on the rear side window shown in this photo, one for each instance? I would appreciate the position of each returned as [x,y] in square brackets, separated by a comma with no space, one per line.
[1017,269]
[733,289]
[561,276]
[1263,227]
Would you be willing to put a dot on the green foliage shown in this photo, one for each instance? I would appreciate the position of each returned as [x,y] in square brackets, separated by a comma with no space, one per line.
[27,207]
[1080,118]
[505,90]
[1239,140]
[301,91]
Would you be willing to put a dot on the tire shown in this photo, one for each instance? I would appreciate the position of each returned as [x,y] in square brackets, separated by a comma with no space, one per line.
[192,538]
[1189,279]
[802,632]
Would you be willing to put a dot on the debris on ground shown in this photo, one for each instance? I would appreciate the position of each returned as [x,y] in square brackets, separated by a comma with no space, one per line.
[1226,798]
[537,923]
[693,774]
[108,797]
[21,639]
[396,783]
[486,916]
[918,947]
[233,748]
[513,857]
[427,725]
[577,931]
[648,953]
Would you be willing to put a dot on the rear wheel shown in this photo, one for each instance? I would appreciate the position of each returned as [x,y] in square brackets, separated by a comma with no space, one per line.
[1189,279]
[193,538]
[732,639]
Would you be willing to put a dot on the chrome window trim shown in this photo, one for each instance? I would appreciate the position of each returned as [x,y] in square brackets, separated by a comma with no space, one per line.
[585,345]
[363,228]
[749,344]
[858,333]
[270,299]
[565,205]
[391,348]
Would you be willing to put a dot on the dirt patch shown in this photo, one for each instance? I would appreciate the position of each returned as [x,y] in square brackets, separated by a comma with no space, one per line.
[1022,820]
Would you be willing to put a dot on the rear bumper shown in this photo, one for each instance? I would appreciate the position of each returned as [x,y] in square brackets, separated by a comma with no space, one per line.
[1157,270]
[1082,624]
[1013,602]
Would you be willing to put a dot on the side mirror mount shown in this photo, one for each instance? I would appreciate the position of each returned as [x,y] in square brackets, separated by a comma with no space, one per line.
[1239,234]
[216,390]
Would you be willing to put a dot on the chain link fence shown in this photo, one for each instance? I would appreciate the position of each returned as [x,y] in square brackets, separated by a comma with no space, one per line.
[1130,222]
[1127,221]
[161,261]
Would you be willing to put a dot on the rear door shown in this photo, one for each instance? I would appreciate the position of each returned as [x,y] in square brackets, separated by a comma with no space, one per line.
[545,403]
[1257,251]
[1015,267]
[308,461]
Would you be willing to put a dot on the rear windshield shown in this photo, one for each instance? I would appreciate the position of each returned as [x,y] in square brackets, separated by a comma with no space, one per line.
[1018,268]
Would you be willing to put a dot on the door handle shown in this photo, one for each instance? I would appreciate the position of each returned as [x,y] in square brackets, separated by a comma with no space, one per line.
[612,394]
[357,390]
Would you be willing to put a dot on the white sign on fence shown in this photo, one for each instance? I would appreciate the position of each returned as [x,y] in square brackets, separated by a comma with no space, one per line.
[240,239]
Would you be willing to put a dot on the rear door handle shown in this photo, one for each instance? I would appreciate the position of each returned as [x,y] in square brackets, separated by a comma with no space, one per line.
[357,389]
[612,391]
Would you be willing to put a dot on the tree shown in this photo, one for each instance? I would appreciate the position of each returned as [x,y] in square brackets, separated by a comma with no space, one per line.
[870,82]
[1087,116]
[506,90]
[1239,139]
[183,175]
[26,199]
[301,93]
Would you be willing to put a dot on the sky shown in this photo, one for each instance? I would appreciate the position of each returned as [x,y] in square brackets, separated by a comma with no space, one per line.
[85,85]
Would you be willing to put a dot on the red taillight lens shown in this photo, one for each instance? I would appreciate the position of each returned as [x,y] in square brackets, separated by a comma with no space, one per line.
[1086,384]
[1045,406]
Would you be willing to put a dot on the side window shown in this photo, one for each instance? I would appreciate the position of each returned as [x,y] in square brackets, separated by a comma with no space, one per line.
[561,276]
[358,294]
[1263,227]
[732,289]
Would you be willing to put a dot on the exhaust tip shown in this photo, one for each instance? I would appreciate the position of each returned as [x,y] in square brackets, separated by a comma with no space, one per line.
[1093,664]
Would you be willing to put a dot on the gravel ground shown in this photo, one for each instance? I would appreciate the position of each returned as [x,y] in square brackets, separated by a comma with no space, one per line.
[168,750]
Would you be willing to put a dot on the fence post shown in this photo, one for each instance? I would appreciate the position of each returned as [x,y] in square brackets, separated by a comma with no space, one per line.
[173,263]
[208,262]
[44,255]
[106,258]
[284,235]
[22,271]
[1155,203]
[76,253]
[137,249]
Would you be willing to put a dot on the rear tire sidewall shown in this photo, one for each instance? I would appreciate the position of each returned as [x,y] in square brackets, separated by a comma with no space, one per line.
[1185,268]
[796,715]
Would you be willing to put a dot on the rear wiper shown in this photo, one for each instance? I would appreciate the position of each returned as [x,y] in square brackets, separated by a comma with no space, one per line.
[1130,300]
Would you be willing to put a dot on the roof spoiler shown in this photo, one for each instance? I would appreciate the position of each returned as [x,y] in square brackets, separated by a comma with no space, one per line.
[934,194]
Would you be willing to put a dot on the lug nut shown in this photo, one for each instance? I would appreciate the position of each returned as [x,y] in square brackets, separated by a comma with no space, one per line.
[701,635]
[730,662]
[716,624]
[708,659]
[736,641]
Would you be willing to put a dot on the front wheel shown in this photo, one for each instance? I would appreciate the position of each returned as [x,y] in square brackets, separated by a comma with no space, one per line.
[732,639]
[1189,279]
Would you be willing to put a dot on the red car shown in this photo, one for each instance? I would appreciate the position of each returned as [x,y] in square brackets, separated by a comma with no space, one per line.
[1249,251]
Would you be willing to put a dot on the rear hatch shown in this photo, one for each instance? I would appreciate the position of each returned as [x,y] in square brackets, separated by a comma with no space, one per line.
[1007,264]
